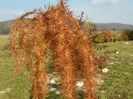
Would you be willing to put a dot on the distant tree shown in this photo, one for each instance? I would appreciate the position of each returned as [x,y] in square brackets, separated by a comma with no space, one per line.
[114,29]
[4,31]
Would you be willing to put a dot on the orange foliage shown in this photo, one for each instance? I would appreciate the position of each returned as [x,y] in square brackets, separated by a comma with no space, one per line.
[106,36]
[124,37]
[55,29]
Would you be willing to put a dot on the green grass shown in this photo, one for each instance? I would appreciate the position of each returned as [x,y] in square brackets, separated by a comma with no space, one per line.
[18,85]
[117,82]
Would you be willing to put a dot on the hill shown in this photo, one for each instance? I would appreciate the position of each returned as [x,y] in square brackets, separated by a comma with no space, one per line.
[5,26]
[114,26]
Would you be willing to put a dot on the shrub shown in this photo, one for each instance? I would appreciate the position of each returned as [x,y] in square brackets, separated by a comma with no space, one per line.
[58,31]
[128,33]
[124,37]
[106,36]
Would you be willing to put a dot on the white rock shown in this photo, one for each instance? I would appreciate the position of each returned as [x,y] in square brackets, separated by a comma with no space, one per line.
[58,92]
[52,81]
[52,89]
[117,52]
[80,84]
[126,43]
[105,70]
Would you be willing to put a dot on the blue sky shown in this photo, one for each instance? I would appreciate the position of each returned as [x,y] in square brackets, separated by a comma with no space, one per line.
[100,11]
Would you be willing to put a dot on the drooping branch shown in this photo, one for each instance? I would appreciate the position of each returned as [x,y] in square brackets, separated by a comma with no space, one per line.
[59,31]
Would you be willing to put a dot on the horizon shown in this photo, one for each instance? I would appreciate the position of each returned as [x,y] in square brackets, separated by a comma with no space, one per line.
[98,11]
[91,22]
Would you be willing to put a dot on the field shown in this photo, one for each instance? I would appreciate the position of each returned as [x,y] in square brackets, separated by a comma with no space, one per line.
[115,84]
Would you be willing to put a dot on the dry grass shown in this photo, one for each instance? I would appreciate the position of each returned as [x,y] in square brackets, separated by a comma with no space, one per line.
[3,37]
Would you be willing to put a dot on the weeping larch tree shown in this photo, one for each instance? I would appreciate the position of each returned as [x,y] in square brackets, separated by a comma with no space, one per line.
[54,29]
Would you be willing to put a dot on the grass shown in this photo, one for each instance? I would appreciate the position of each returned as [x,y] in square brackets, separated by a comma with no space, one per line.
[117,82]
[11,86]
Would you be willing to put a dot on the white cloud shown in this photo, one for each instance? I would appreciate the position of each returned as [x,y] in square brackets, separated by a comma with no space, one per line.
[106,2]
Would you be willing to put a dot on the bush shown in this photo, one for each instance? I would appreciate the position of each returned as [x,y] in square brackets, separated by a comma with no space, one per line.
[106,36]
[65,38]
[128,33]
[124,37]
